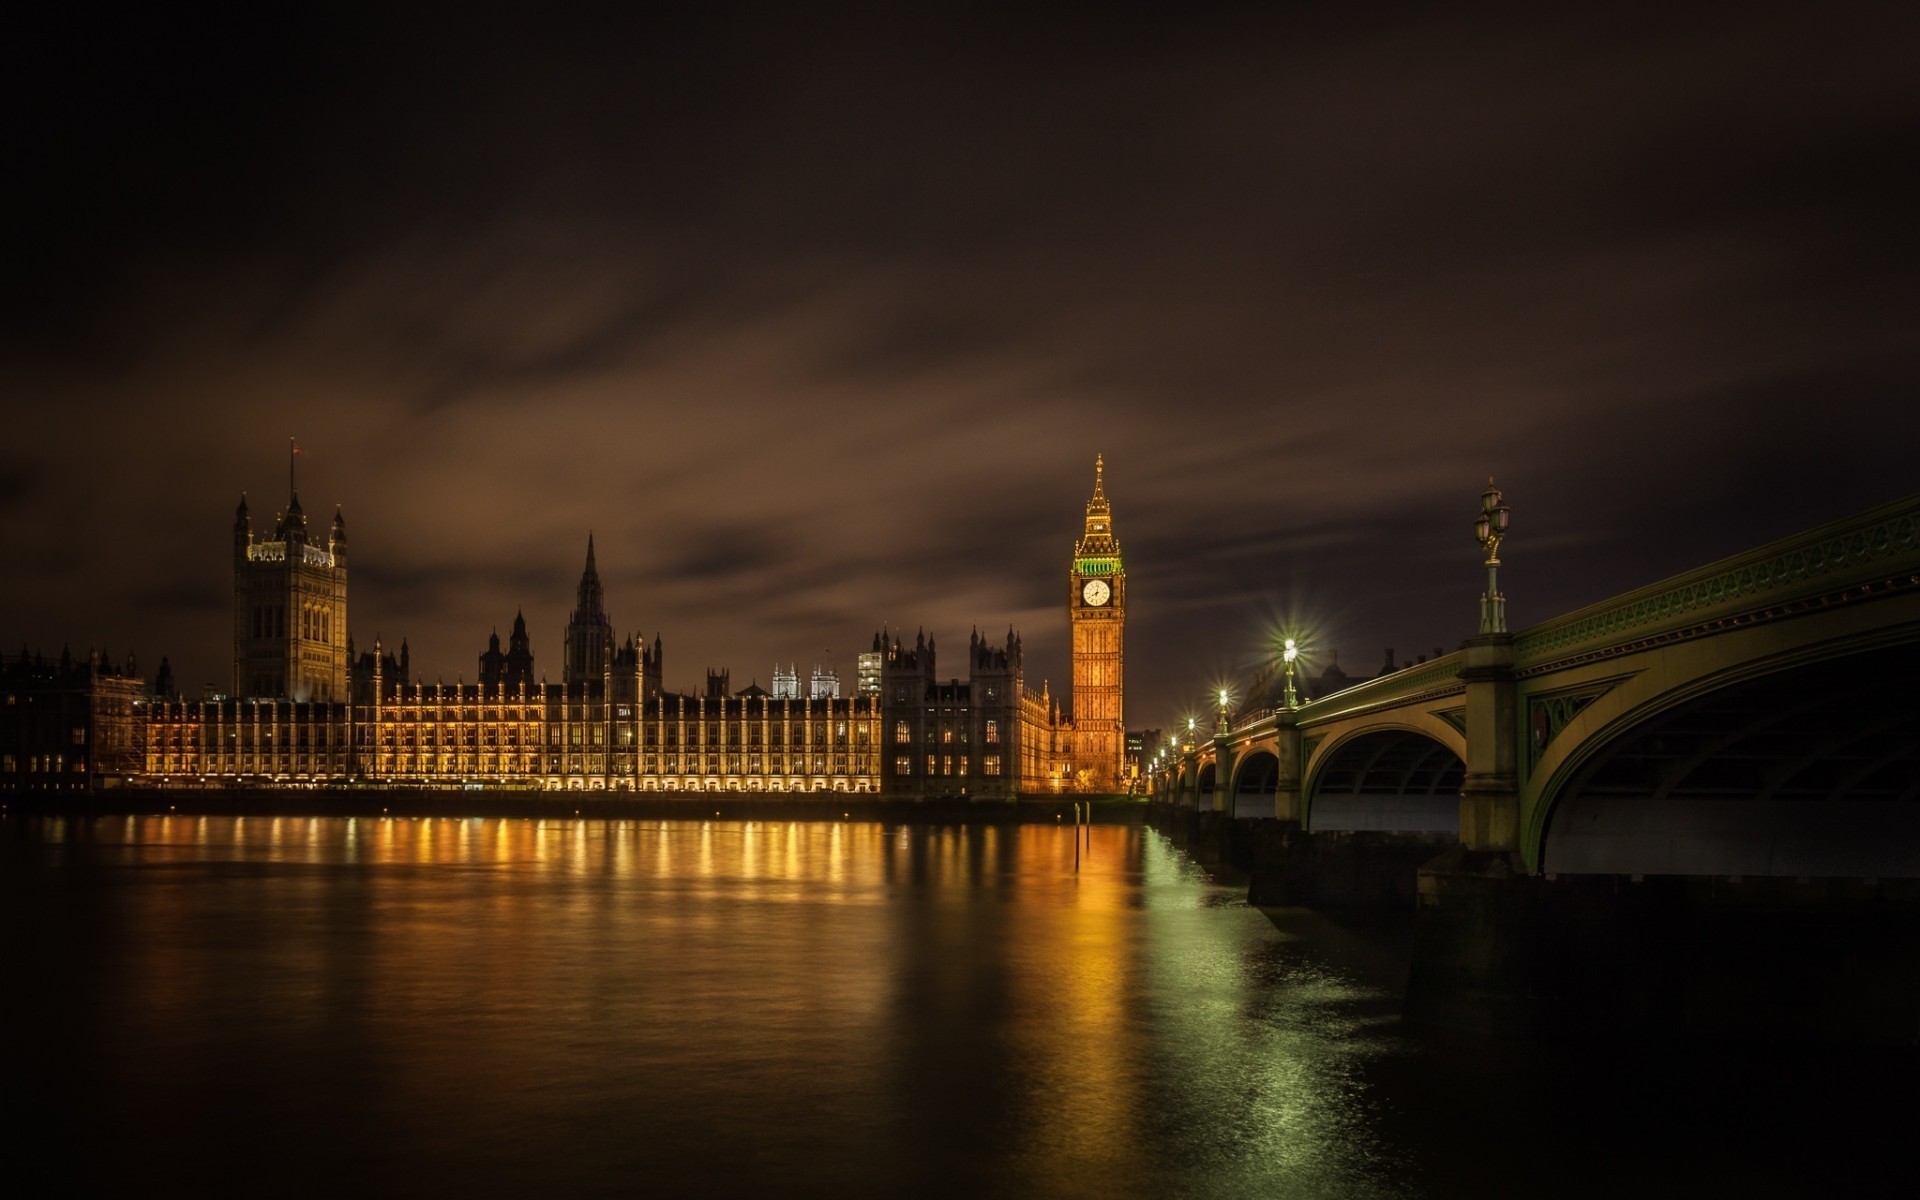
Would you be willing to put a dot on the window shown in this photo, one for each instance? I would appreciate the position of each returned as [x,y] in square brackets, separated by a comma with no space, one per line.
[903,765]
[901,734]
[990,765]
[993,733]
[932,762]
[946,737]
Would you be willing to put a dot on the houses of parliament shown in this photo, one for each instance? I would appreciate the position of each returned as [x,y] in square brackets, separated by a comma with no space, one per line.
[307,710]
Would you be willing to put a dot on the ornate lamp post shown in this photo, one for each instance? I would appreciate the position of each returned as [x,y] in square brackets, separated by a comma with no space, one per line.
[1291,652]
[1224,697]
[1489,529]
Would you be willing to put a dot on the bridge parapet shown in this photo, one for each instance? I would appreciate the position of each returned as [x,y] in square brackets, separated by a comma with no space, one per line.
[1253,725]
[1437,677]
[1865,549]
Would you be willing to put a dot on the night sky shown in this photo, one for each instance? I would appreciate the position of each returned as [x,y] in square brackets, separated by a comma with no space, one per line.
[818,323]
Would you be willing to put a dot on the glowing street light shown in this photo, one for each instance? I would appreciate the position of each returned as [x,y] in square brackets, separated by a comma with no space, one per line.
[1291,653]
[1489,529]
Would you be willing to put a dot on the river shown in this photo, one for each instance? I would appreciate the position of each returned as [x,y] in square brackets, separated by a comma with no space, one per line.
[341,1007]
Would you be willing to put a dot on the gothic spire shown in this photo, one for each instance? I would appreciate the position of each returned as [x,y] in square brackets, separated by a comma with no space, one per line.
[591,598]
[1098,539]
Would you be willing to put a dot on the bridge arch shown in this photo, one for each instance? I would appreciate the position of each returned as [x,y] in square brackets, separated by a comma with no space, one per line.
[1206,785]
[1396,778]
[1256,782]
[1801,766]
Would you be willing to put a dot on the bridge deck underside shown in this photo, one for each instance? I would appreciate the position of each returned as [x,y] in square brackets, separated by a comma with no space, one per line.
[1392,780]
[1256,782]
[1810,772]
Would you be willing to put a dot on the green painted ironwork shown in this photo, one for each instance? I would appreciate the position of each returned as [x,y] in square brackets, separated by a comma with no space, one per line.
[1547,715]
[1884,538]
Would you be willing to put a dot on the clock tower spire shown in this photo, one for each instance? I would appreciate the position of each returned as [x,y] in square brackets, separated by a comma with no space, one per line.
[1097,608]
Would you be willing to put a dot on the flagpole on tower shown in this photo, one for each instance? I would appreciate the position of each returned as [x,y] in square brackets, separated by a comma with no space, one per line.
[293,448]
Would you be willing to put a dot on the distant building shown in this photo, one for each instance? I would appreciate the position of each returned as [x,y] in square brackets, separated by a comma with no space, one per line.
[1142,745]
[825,684]
[868,677]
[786,682]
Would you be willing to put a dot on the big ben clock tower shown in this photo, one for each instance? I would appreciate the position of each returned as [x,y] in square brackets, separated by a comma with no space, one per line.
[1097,604]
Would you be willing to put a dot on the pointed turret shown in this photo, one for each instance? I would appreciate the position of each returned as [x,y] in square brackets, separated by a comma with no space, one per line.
[589,638]
[242,528]
[295,521]
[589,597]
[337,537]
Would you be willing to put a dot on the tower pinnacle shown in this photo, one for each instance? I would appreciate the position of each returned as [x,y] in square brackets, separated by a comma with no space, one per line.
[1097,538]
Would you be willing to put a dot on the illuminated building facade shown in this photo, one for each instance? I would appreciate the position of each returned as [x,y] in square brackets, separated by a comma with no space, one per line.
[825,684]
[546,736]
[289,607]
[1097,605]
[308,713]
[1083,749]
[786,682]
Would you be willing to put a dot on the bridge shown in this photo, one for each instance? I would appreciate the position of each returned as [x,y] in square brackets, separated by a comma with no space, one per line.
[1688,809]
[1756,716]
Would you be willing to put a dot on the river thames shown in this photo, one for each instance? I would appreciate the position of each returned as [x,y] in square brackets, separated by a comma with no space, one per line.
[279,1005]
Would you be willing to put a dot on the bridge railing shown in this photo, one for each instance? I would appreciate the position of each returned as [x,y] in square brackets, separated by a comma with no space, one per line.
[1862,548]
[1434,675]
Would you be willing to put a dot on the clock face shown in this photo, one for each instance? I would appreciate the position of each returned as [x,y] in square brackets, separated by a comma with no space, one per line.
[1096,592]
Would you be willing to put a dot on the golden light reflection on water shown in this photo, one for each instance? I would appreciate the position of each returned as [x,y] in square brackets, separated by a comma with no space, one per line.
[1007,1010]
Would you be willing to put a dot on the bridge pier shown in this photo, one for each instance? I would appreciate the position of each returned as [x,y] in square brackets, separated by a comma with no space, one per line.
[1490,792]
[1500,951]
[1290,866]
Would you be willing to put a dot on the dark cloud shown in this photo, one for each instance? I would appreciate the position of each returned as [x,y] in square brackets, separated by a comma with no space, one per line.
[817,320]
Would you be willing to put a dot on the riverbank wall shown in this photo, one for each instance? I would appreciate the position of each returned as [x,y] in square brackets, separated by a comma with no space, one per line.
[624,806]
[1287,866]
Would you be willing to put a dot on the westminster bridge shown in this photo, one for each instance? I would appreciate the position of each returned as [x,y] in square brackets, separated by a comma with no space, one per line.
[1741,738]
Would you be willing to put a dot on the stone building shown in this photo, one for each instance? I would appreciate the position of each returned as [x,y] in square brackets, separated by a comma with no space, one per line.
[289,607]
[307,712]
[68,725]
[950,738]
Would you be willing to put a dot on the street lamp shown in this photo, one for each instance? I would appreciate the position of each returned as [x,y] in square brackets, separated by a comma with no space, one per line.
[1291,653]
[1489,529]
[1225,696]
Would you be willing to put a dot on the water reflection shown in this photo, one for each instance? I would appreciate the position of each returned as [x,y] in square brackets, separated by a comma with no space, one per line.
[833,1006]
